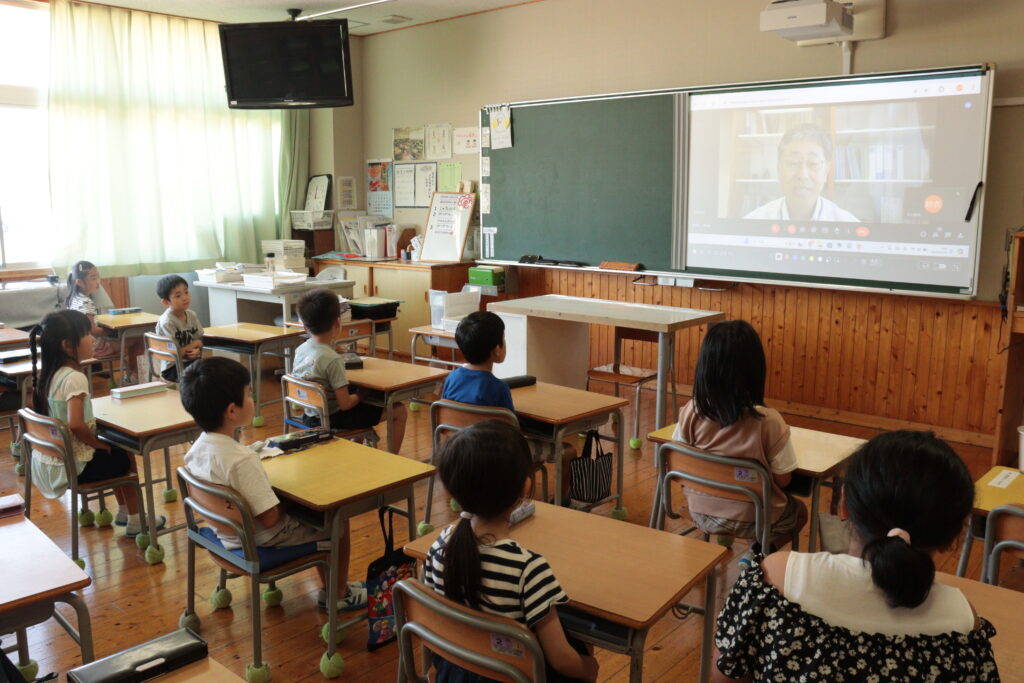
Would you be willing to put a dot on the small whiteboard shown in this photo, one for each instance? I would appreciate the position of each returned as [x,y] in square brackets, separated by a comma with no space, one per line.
[447,226]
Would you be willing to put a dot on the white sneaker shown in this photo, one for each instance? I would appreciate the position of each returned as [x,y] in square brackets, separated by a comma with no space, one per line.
[356,598]
[133,530]
[121,518]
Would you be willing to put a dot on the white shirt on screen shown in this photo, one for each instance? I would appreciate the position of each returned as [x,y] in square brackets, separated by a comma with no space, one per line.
[824,210]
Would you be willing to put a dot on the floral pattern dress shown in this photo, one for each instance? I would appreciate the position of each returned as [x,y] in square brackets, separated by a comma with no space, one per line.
[761,633]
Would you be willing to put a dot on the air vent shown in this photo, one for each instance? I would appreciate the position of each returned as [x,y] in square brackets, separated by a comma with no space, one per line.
[394,19]
[356,24]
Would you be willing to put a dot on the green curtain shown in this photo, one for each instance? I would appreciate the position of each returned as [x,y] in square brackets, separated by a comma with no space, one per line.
[150,171]
[294,167]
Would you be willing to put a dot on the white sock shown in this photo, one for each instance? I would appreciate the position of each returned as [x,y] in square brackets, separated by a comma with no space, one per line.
[133,519]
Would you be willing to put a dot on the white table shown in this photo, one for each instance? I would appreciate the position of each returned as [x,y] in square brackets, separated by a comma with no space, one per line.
[233,302]
[549,336]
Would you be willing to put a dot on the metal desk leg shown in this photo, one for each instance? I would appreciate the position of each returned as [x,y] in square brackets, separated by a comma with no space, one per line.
[657,516]
[256,377]
[83,635]
[389,418]
[391,340]
[664,351]
[412,349]
[620,447]
[121,334]
[709,625]
[812,542]
[965,553]
[147,469]
[556,449]
[636,655]
[332,584]
[410,502]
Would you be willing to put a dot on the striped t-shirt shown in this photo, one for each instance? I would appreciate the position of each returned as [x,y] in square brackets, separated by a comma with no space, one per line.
[517,583]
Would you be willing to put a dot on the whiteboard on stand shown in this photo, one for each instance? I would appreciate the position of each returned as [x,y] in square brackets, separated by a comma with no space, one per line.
[447,226]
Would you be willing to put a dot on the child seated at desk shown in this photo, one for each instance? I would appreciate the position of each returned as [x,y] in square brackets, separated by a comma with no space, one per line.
[215,392]
[83,284]
[317,361]
[178,323]
[481,339]
[488,469]
[727,417]
[876,613]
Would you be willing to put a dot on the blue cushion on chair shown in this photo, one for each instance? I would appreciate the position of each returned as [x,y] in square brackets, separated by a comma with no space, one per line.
[269,557]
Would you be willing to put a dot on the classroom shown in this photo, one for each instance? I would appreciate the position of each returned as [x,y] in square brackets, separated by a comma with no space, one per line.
[627,137]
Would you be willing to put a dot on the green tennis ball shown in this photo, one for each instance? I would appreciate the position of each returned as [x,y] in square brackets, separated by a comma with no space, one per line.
[454,505]
[424,528]
[111,382]
[170,495]
[258,422]
[341,633]
[154,554]
[724,540]
[142,541]
[272,597]
[619,513]
[15,447]
[333,666]
[86,517]
[104,518]
[80,562]
[30,670]
[414,407]
[221,598]
[19,469]
[191,621]
[635,443]
[257,674]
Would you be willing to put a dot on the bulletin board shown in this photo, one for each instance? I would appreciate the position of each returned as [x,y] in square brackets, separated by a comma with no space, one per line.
[447,226]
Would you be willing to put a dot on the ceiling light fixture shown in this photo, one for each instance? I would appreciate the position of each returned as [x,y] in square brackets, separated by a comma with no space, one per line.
[335,11]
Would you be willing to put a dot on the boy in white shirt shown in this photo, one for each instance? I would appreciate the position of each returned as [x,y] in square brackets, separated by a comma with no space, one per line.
[215,391]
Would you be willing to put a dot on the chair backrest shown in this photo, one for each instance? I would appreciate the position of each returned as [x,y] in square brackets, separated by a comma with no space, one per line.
[630,334]
[219,507]
[717,475]
[491,646]
[305,394]
[1004,532]
[163,348]
[48,436]
[352,331]
[448,417]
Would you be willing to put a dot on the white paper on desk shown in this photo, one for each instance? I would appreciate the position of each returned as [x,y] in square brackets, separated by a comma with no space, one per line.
[1004,478]
[485,197]
[439,141]
[269,452]
[501,127]
[405,185]
[426,183]
[467,140]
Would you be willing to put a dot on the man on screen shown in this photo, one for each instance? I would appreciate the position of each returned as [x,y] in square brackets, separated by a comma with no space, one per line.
[805,160]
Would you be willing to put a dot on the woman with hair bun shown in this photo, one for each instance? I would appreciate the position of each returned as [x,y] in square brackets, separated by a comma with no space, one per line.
[875,613]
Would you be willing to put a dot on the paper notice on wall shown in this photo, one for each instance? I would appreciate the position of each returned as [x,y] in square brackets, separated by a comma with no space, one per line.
[485,166]
[408,143]
[379,181]
[346,192]
[405,185]
[449,174]
[487,242]
[485,197]
[485,137]
[439,141]
[426,183]
[466,140]
[501,127]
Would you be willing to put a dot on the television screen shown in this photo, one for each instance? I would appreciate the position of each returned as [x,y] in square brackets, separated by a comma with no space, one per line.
[284,64]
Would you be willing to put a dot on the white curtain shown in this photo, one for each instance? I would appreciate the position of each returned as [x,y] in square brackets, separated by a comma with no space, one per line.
[150,171]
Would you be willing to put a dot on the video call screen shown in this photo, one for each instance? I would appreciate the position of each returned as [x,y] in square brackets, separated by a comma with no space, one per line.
[859,180]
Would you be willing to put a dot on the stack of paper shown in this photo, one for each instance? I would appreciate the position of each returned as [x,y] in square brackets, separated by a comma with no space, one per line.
[139,389]
[270,280]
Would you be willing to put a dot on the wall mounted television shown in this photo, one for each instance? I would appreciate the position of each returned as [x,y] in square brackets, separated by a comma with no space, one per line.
[287,64]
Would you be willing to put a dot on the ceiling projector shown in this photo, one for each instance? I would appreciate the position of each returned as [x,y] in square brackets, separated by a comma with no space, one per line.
[807,19]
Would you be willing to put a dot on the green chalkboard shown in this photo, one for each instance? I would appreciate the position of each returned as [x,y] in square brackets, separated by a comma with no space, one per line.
[586,181]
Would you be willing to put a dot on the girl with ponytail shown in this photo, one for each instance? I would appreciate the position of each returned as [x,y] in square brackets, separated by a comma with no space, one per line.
[875,612]
[488,469]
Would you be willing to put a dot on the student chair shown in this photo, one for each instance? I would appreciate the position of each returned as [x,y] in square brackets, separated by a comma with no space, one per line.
[1004,532]
[301,394]
[354,331]
[718,475]
[164,348]
[495,647]
[619,374]
[50,436]
[224,510]
[448,417]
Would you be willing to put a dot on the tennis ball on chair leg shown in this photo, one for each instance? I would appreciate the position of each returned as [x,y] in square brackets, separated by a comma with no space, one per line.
[272,597]
[170,495]
[191,621]
[324,634]
[454,505]
[257,674]
[619,513]
[86,517]
[257,421]
[80,562]
[221,598]
[635,443]
[333,666]
[414,407]
[19,469]
[104,518]
[30,670]
[424,528]
[142,541]
[154,554]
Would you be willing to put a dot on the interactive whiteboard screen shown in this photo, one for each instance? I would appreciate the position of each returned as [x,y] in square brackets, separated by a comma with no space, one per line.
[872,180]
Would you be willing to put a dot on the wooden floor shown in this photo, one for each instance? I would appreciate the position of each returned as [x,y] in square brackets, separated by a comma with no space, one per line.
[131,602]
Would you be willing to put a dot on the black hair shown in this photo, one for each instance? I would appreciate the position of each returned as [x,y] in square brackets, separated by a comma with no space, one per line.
[318,309]
[166,285]
[478,334]
[731,371]
[484,467]
[209,386]
[77,272]
[911,481]
[47,341]
[808,131]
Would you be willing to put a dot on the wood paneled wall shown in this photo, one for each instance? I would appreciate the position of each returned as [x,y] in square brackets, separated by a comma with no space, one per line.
[117,288]
[878,360]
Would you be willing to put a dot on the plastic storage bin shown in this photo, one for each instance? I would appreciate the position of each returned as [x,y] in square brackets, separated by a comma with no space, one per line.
[312,220]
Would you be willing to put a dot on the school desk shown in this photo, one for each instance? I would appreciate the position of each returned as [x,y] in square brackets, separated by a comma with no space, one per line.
[19,374]
[232,302]
[140,425]
[124,327]
[988,495]
[433,336]
[1003,607]
[339,480]
[253,341]
[389,382]
[623,576]
[356,330]
[569,411]
[549,336]
[819,455]
[37,575]
[12,338]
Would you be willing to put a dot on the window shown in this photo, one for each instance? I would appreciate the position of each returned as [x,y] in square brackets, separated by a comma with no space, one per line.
[24,177]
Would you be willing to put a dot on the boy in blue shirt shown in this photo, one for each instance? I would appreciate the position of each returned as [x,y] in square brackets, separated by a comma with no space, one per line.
[481,339]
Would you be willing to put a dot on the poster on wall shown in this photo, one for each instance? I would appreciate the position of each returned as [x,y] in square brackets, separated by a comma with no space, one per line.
[379,181]
[466,140]
[408,143]
[439,141]
[346,192]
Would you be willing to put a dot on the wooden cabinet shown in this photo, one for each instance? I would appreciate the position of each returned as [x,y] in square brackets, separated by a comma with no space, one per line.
[407,282]
[1011,344]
